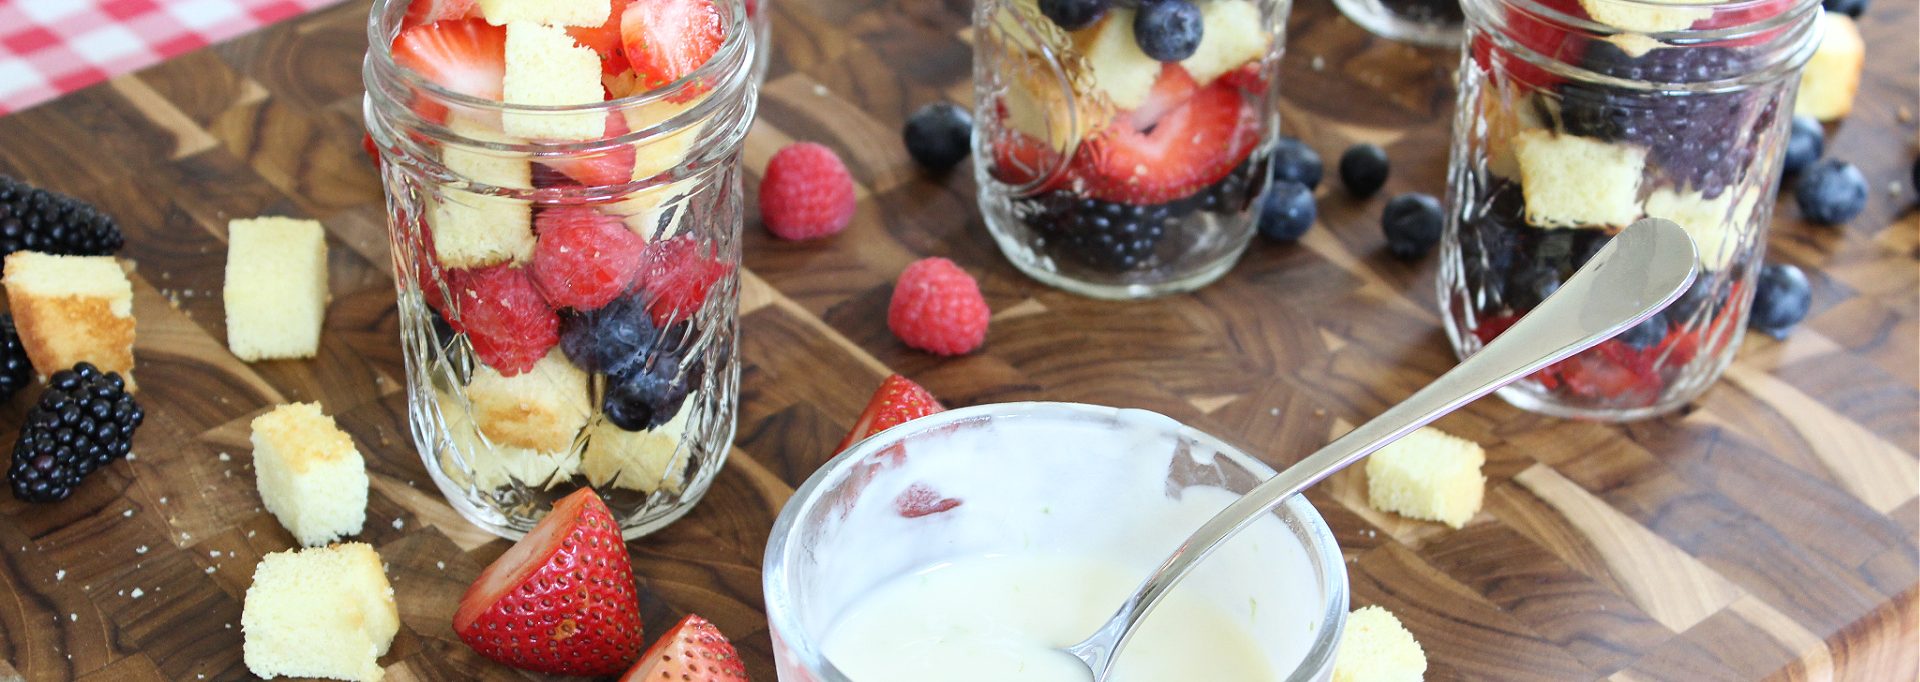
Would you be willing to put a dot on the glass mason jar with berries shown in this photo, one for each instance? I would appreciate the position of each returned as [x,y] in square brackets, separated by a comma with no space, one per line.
[1122,146]
[565,233]
[1577,117]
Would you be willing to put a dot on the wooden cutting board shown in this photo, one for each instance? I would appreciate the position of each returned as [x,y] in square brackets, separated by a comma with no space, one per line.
[1766,531]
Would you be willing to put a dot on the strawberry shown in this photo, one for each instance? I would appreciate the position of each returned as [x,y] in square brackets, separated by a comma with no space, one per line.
[1533,31]
[599,169]
[676,275]
[919,500]
[605,38]
[467,56]
[693,651]
[1189,148]
[667,39]
[373,151]
[1250,79]
[561,600]
[896,402]
[1020,160]
[422,12]
[1171,89]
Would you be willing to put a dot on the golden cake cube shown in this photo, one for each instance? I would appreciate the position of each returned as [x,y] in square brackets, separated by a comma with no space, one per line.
[276,287]
[1375,647]
[546,67]
[309,473]
[71,309]
[319,612]
[1428,475]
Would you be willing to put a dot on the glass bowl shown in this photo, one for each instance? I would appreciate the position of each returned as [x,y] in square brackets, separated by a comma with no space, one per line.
[1064,478]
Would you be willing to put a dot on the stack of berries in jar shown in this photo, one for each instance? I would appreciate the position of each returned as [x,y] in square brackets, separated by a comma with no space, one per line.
[565,202]
[1578,117]
[1124,141]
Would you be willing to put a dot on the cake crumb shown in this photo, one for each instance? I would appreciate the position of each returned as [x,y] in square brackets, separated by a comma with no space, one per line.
[140,550]
[73,617]
[163,500]
[224,457]
[1318,63]
[128,513]
[60,575]
[442,565]
[819,90]
[215,554]
[210,570]
[398,524]
[137,593]
[132,456]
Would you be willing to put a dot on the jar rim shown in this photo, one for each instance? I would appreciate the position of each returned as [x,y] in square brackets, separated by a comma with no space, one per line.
[383,24]
[1789,38]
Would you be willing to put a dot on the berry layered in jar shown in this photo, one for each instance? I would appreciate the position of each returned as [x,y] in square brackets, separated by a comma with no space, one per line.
[1123,144]
[565,206]
[1578,118]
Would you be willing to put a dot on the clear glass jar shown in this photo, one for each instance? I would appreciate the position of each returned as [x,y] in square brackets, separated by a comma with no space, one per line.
[1107,173]
[760,14]
[1430,23]
[1038,478]
[1569,128]
[533,368]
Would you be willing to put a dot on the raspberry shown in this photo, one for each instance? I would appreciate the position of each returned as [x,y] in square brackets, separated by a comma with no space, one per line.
[937,308]
[584,257]
[676,275]
[806,193]
[509,324]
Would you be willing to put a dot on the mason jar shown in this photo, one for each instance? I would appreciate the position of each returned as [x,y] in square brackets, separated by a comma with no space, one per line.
[1574,120]
[1106,172]
[568,308]
[1428,23]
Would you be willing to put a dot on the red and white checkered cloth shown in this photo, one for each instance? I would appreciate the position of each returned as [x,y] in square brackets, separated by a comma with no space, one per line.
[52,47]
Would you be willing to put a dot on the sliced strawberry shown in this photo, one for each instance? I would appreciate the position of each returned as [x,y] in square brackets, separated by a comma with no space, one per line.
[693,651]
[1250,79]
[561,600]
[896,402]
[605,38]
[1189,148]
[467,56]
[422,12]
[1020,160]
[667,39]
[1173,88]
[373,151]
[1538,34]
[919,500]
[602,168]
[676,275]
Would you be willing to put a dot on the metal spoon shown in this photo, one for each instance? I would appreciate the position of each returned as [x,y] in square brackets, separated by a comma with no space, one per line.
[1636,275]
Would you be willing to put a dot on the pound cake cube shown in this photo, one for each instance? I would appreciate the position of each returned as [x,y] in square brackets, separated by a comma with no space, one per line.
[1716,225]
[1040,109]
[1114,61]
[1832,76]
[309,474]
[472,230]
[276,287]
[1573,181]
[1375,647]
[497,466]
[1647,16]
[542,409]
[546,67]
[1428,475]
[549,12]
[319,612]
[1231,35]
[646,461]
[71,309]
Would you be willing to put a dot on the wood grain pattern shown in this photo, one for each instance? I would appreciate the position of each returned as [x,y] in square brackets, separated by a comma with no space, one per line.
[1766,532]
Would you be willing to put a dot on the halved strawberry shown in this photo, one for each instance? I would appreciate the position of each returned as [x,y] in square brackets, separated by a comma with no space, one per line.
[667,39]
[1189,148]
[896,402]
[1537,33]
[1019,160]
[676,275]
[561,601]
[604,39]
[422,12]
[602,168]
[1173,88]
[468,56]
[693,651]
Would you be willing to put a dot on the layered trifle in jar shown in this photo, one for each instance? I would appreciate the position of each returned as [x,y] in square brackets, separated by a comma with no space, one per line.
[1578,118]
[564,205]
[1122,146]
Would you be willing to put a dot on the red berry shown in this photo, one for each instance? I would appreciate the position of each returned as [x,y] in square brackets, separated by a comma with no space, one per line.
[676,274]
[919,500]
[467,56]
[937,307]
[509,324]
[584,258]
[896,402]
[599,168]
[428,11]
[693,651]
[806,193]
[1192,145]
[667,39]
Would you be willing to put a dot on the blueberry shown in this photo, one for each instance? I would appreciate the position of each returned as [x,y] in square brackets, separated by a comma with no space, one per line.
[1591,247]
[651,394]
[1363,169]
[1781,298]
[1073,15]
[1805,143]
[1831,192]
[1852,8]
[1696,298]
[1412,222]
[1531,286]
[939,135]
[1294,160]
[1287,212]
[1167,30]
[613,339]
[1647,334]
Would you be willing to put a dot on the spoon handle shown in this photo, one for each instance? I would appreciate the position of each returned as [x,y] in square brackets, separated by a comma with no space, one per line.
[1637,274]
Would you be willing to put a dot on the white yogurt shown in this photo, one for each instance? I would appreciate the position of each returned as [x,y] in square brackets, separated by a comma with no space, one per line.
[1005,617]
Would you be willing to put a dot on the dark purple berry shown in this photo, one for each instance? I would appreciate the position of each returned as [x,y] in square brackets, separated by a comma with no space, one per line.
[939,136]
[1412,223]
[1781,299]
[1831,192]
[1363,169]
[1073,15]
[1287,212]
[1167,30]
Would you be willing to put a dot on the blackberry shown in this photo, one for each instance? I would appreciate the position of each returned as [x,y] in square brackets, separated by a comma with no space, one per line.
[1686,133]
[650,393]
[83,421]
[1231,194]
[33,219]
[1103,234]
[15,371]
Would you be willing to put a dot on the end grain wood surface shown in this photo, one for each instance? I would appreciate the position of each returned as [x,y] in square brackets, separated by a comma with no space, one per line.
[1767,531]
